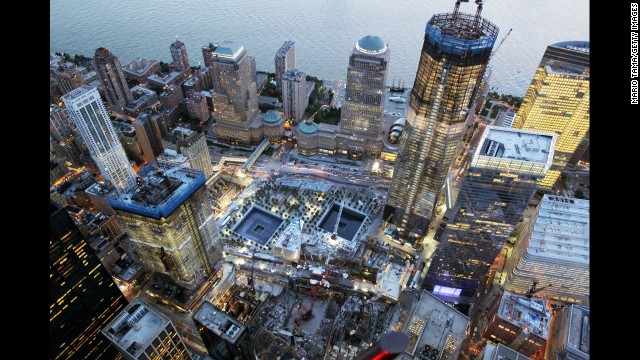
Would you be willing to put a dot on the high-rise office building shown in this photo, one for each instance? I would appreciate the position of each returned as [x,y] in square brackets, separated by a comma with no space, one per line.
[454,56]
[83,296]
[554,250]
[171,96]
[558,100]
[569,336]
[207,50]
[140,332]
[179,55]
[149,136]
[363,104]
[503,175]
[194,146]
[197,107]
[57,169]
[235,98]
[170,222]
[285,60]
[112,78]
[294,94]
[92,120]
[220,332]
[61,129]
[68,77]
[60,123]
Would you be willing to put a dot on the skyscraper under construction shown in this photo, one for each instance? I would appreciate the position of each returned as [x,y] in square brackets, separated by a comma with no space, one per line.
[455,53]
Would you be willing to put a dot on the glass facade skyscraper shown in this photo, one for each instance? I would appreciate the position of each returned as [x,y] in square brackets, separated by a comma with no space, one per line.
[454,57]
[558,100]
[504,173]
[83,296]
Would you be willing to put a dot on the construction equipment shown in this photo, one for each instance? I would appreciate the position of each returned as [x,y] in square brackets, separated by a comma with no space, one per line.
[305,314]
[500,44]
[390,346]
[250,281]
[532,289]
[335,229]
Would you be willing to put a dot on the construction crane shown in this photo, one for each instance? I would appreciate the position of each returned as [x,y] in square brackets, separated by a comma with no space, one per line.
[335,229]
[305,314]
[532,289]
[500,44]
[253,266]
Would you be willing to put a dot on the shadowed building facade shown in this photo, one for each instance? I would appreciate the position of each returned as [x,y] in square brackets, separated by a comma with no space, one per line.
[83,296]
[179,55]
[112,78]
[504,173]
[235,99]
[285,60]
[453,60]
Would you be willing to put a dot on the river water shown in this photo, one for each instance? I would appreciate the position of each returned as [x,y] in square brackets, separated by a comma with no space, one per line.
[325,31]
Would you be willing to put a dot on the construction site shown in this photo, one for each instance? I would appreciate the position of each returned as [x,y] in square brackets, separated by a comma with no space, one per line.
[305,316]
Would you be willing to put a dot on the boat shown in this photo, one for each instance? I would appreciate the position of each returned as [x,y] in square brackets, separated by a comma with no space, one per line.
[399,88]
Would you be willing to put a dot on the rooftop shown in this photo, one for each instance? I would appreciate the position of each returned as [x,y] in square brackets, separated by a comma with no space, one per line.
[320,187]
[140,65]
[501,352]
[84,90]
[455,33]
[182,131]
[164,78]
[290,237]
[294,75]
[135,327]
[162,187]
[291,183]
[579,329]
[529,314]
[285,48]
[371,44]
[437,325]
[308,127]
[271,117]
[219,322]
[228,49]
[517,144]
[171,155]
[561,230]
[582,46]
